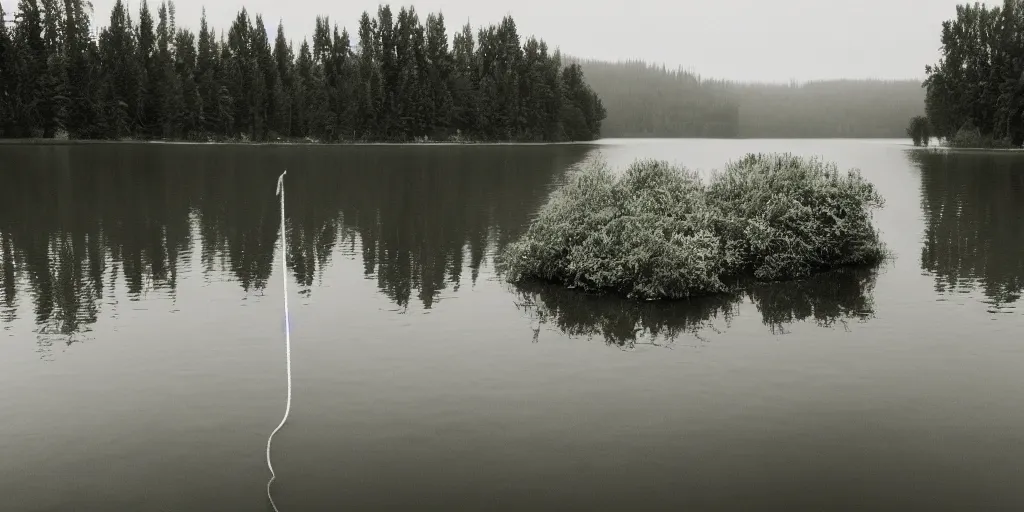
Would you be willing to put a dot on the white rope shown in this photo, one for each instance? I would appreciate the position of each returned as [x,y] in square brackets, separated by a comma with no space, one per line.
[287,336]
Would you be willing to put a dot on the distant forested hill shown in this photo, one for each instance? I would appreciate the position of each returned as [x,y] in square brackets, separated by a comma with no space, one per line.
[833,108]
[645,100]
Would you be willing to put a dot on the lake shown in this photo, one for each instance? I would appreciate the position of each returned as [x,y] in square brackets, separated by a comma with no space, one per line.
[142,351]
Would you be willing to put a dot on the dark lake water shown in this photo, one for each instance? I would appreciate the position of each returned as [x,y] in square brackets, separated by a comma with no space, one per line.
[142,359]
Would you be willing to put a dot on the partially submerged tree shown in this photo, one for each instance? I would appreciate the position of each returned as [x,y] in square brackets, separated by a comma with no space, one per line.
[919,130]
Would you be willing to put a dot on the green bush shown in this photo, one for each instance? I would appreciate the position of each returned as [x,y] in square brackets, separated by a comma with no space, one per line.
[970,136]
[658,231]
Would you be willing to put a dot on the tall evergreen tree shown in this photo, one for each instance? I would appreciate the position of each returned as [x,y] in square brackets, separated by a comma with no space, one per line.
[387,110]
[437,71]
[265,72]
[81,81]
[301,89]
[53,100]
[464,82]
[192,109]
[167,87]
[284,105]
[121,72]
[368,88]
[148,109]
[7,78]
[30,70]
[206,76]
[344,75]
[241,74]
[224,74]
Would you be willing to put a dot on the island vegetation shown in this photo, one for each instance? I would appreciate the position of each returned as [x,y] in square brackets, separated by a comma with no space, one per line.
[659,232]
[975,93]
[400,81]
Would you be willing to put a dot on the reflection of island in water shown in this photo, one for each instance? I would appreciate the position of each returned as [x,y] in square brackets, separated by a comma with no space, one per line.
[86,225]
[826,299]
[973,204]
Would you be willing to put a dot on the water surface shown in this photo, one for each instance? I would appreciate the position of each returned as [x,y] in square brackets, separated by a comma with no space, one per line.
[142,364]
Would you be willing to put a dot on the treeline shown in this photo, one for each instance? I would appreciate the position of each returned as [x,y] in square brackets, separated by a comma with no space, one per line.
[976,90]
[645,100]
[401,81]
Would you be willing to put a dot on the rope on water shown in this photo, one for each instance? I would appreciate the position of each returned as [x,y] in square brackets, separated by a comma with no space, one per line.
[287,337]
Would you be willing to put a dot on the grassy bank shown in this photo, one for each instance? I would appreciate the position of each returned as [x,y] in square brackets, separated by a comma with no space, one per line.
[660,232]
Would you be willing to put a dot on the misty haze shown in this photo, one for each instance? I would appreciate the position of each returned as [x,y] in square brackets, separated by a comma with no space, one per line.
[471,255]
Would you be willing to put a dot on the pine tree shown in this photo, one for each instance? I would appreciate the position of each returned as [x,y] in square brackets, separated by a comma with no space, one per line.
[241,75]
[464,82]
[489,117]
[265,69]
[344,73]
[185,58]
[168,90]
[7,79]
[387,111]
[421,96]
[30,69]
[283,95]
[551,94]
[226,123]
[438,73]
[508,63]
[323,102]
[148,108]
[368,96]
[301,89]
[120,71]
[206,76]
[82,109]
[53,99]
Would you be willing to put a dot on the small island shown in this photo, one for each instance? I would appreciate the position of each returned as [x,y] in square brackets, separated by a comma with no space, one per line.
[660,232]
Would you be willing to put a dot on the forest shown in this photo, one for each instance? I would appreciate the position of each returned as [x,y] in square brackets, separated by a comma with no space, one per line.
[646,100]
[400,80]
[975,93]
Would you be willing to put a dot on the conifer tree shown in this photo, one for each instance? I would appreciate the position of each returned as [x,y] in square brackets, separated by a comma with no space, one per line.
[7,78]
[120,72]
[283,89]
[368,97]
[192,111]
[437,70]
[148,109]
[206,76]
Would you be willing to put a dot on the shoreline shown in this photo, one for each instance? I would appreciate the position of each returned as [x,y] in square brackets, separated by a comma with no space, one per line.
[291,143]
[75,142]
[943,148]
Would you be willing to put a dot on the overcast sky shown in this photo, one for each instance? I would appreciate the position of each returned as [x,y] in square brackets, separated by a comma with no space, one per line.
[762,40]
